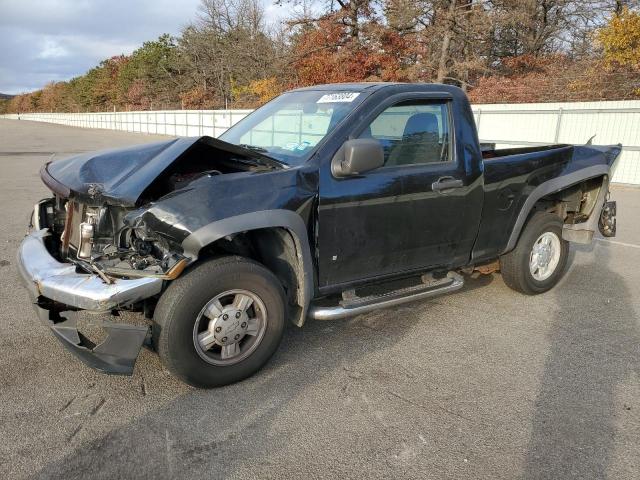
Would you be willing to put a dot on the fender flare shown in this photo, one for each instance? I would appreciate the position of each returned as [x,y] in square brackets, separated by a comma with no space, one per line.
[286,219]
[546,188]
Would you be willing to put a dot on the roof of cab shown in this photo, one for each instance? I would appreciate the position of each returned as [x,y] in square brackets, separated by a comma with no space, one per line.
[374,86]
[354,87]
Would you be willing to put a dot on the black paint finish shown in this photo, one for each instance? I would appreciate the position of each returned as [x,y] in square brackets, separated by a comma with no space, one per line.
[511,179]
[390,221]
[384,223]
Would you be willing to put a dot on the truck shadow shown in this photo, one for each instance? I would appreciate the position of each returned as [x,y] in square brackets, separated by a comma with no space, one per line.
[216,433]
[226,432]
[593,349]
[472,282]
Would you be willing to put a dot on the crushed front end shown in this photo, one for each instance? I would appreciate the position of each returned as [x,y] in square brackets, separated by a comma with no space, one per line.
[89,248]
[78,257]
[81,256]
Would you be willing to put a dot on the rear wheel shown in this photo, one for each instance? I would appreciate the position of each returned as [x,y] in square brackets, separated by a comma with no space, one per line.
[219,323]
[540,257]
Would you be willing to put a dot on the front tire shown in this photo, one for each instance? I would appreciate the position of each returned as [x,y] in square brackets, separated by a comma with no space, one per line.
[538,262]
[219,323]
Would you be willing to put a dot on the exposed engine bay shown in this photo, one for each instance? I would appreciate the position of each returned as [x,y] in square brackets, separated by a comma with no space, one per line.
[96,240]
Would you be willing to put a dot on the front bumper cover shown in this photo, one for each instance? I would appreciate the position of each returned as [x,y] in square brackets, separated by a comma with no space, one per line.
[58,291]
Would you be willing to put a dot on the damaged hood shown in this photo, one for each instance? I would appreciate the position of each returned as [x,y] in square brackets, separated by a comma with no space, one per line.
[120,176]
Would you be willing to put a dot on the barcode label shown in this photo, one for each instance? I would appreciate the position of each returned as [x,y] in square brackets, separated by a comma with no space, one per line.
[338,97]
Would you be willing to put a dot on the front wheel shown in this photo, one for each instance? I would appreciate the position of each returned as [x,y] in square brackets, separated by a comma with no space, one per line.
[540,257]
[219,323]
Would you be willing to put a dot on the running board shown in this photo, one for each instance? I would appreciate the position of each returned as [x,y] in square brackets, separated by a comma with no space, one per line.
[352,305]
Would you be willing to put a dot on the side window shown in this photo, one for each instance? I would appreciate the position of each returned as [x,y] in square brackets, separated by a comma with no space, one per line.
[413,132]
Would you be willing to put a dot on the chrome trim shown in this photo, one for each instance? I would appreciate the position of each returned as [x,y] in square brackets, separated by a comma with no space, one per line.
[35,217]
[338,312]
[44,276]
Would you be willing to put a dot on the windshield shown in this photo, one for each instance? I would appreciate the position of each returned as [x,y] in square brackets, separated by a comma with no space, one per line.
[289,127]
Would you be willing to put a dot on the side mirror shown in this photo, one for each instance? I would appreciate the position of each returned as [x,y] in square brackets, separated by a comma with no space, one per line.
[357,156]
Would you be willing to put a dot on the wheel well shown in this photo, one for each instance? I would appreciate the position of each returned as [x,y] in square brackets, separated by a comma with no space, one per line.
[572,204]
[276,249]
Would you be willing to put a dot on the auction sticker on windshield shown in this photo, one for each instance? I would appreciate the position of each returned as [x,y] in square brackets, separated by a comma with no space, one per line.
[338,97]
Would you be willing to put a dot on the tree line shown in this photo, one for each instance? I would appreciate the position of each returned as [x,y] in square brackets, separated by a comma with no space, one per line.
[497,50]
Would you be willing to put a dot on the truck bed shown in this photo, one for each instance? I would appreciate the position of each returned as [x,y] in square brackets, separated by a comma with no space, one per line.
[512,176]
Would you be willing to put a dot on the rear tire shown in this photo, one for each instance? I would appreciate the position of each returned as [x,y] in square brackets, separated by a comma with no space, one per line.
[538,262]
[193,340]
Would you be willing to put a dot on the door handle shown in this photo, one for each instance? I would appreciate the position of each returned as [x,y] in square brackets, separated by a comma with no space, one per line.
[446,183]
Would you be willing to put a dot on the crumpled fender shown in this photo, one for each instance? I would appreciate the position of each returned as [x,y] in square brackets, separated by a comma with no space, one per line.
[212,208]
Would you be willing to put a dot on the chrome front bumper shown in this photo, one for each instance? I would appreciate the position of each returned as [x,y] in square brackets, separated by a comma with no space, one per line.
[48,279]
[45,277]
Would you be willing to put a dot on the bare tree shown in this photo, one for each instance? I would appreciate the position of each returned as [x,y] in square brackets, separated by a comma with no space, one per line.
[226,48]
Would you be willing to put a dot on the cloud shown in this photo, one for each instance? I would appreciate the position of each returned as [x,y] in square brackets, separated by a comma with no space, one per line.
[53,40]
[52,49]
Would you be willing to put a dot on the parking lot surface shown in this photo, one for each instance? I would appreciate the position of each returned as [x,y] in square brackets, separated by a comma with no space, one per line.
[485,383]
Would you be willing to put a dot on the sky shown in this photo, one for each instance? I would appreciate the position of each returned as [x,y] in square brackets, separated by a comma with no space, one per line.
[53,40]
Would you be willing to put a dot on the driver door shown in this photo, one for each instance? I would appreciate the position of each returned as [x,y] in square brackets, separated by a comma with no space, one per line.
[397,218]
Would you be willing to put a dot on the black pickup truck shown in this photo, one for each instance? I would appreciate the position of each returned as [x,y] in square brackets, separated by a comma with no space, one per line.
[327,202]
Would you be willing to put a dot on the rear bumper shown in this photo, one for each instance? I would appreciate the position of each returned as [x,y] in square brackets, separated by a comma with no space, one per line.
[58,291]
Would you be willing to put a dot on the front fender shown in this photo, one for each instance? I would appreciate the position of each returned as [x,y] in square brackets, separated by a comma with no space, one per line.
[291,221]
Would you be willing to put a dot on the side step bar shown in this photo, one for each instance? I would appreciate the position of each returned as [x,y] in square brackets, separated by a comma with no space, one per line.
[352,305]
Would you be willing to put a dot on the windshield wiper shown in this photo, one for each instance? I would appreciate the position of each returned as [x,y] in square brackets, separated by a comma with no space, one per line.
[263,158]
[253,147]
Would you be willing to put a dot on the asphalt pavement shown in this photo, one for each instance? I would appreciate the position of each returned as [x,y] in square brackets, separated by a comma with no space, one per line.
[482,384]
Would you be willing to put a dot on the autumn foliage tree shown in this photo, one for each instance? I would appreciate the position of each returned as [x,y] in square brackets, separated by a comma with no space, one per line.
[325,51]
[497,50]
[620,40]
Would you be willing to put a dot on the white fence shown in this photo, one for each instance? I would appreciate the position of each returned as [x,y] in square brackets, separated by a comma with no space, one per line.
[181,123]
[513,125]
[507,125]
